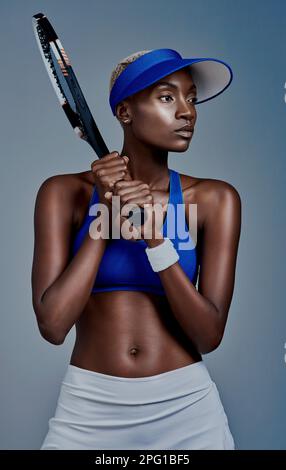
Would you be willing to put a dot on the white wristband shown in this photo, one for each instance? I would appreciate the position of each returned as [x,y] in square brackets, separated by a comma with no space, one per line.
[163,255]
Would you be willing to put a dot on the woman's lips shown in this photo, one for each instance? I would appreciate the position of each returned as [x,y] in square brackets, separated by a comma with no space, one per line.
[185,133]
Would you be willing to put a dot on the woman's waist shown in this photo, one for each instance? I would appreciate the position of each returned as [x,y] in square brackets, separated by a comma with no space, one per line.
[140,341]
[132,357]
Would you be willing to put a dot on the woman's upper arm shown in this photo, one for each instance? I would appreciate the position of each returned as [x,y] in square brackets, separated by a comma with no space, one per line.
[219,247]
[53,222]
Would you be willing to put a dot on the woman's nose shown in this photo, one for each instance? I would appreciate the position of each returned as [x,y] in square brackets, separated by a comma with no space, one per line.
[185,109]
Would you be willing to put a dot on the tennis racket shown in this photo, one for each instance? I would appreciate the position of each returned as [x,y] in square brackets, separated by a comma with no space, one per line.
[69,93]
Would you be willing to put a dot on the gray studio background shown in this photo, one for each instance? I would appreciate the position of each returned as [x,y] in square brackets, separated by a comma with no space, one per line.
[239,138]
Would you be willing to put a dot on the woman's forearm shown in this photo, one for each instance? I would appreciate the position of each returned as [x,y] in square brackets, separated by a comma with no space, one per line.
[197,316]
[63,302]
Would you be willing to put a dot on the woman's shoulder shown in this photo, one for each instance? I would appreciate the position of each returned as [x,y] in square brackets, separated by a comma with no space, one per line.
[69,182]
[212,196]
[72,189]
[200,189]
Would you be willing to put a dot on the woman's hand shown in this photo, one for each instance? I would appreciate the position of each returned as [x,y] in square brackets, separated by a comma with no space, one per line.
[112,178]
[134,193]
[106,171]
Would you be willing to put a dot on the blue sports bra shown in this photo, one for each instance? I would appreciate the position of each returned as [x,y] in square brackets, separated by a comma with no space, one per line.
[124,264]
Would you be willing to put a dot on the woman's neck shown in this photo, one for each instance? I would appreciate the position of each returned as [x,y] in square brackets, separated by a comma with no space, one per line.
[146,164]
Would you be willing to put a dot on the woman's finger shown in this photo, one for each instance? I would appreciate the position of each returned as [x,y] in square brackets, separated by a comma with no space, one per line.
[138,201]
[127,184]
[112,178]
[122,192]
[135,195]
[113,165]
[105,158]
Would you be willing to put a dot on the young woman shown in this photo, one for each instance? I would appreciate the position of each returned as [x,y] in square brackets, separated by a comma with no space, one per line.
[136,378]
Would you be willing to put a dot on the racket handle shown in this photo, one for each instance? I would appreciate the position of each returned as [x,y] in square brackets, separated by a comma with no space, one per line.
[138,214]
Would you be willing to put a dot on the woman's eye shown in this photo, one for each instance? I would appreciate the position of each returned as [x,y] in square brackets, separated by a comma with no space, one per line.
[194,98]
[165,96]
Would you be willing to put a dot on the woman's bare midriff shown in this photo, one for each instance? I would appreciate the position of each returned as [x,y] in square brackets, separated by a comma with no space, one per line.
[130,334]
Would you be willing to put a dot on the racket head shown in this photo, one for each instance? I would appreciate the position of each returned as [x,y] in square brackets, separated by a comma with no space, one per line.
[69,93]
[65,84]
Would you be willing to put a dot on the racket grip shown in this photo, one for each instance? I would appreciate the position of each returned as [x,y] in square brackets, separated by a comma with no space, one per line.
[138,214]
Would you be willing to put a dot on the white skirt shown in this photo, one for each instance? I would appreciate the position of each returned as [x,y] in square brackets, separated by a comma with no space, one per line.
[178,409]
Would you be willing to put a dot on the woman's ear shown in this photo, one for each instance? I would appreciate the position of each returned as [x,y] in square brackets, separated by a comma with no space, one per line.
[123,112]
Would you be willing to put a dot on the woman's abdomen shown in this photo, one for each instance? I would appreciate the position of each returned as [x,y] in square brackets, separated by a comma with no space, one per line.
[130,334]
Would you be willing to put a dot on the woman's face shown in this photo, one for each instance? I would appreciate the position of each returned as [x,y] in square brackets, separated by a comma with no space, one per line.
[159,110]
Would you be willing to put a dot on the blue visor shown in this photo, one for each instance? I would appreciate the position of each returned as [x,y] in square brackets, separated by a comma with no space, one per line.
[211,76]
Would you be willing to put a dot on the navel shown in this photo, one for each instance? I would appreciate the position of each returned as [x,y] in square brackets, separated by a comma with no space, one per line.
[134,351]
